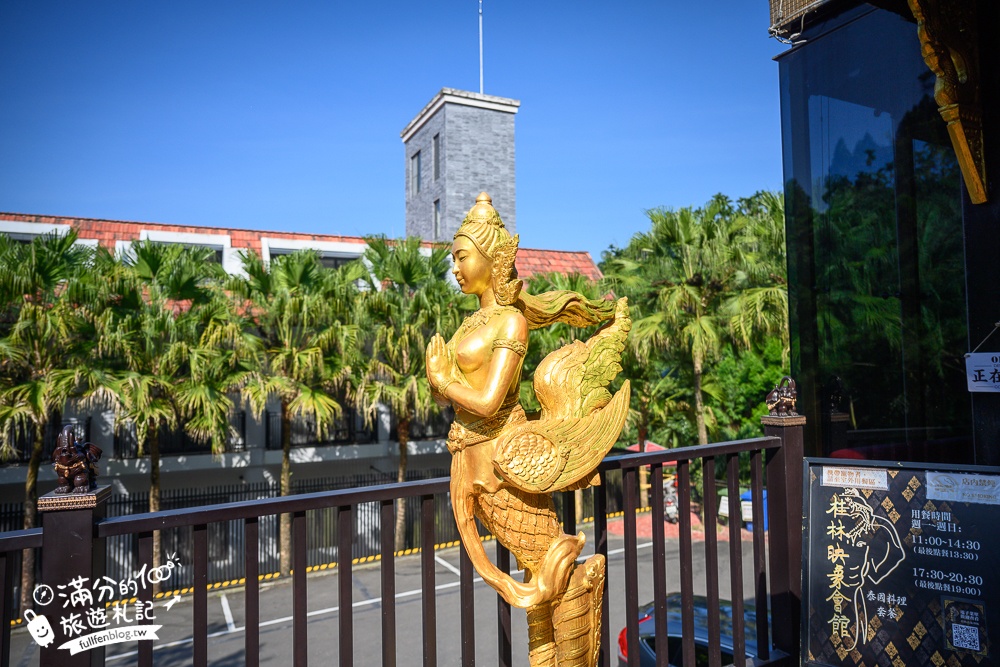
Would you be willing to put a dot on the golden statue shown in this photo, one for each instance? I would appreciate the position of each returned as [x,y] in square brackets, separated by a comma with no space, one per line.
[505,466]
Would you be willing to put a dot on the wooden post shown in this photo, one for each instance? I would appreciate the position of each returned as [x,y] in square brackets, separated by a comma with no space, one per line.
[71,552]
[784,511]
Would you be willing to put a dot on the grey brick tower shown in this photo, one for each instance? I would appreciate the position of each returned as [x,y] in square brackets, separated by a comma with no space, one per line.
[459,145]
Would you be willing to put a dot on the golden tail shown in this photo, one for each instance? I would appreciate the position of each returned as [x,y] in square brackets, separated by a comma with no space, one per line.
[567,633]
[577,616]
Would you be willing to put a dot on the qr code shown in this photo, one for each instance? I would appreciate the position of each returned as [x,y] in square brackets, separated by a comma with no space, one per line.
[965,637]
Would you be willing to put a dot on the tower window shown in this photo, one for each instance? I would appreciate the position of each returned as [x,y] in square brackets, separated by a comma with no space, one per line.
[437,219]
[415,173]
[437,156]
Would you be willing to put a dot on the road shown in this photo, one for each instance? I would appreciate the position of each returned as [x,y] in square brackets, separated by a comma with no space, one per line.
[226,622]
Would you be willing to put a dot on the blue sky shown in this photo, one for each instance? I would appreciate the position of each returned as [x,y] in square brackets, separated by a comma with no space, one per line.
[286,116]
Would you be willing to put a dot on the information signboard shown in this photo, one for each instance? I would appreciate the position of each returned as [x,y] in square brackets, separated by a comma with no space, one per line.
[982,371]
[900,564]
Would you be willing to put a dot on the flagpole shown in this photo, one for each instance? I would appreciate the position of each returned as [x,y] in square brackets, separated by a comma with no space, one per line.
[480,47]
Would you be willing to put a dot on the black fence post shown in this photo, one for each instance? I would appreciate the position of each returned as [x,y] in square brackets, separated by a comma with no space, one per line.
[784,512]
[71,552]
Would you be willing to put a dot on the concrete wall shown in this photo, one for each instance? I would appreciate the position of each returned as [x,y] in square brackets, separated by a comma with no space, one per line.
[420,206]
[477,154]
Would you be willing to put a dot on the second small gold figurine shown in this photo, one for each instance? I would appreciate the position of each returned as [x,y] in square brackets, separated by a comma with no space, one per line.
[504,466]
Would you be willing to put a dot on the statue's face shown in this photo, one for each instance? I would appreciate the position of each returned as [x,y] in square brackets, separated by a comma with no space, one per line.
[472,270]
[64,454]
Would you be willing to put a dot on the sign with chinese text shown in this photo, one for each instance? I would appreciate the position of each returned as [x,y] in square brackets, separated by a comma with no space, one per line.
[982,371]
[897,565]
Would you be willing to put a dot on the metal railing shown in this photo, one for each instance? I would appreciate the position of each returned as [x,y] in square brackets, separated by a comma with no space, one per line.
[177,441]
[226,545]
[72,545]
[777,586]
[348,429]
[226,538]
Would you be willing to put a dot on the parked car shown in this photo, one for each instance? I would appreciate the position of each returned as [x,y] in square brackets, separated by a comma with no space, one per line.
[647,633]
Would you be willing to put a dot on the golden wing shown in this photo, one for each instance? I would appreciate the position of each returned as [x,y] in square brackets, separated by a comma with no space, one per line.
[572,381]
[557,454]
[580,419]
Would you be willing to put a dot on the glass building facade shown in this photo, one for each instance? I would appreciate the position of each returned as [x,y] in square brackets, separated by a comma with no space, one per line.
[877,258]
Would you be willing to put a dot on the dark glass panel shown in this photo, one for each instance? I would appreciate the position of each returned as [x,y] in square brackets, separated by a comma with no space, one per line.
[876,268]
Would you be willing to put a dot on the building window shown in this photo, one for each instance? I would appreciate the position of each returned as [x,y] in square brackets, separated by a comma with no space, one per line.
[415,173]
[215,257]
[437,219]
[326,259]
[437,156]
[331,262]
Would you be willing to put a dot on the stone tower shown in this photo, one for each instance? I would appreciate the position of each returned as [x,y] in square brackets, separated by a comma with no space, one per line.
[459,145]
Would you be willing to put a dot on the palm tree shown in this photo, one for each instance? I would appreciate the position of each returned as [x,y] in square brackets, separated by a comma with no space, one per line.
[36,353]
[219,365]
[147,314]
[706,277]
[301,315]
[407,301]
[657,410]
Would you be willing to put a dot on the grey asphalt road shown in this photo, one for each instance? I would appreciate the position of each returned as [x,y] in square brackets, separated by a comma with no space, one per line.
[226,621]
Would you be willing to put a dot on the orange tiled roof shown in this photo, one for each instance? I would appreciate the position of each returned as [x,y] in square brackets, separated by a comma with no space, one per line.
[529,260]
[532,260]
[109,231]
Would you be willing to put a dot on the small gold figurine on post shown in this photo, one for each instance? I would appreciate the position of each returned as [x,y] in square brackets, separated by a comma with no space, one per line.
[504,466]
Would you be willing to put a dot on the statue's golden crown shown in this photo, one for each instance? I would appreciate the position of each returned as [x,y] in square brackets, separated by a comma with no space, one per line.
[483,212]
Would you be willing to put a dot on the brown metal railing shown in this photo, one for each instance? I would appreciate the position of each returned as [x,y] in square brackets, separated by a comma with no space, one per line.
[758,449]
[11,545]
[777,456]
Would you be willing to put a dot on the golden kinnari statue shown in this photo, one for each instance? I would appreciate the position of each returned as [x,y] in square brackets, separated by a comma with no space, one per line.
[505,466]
